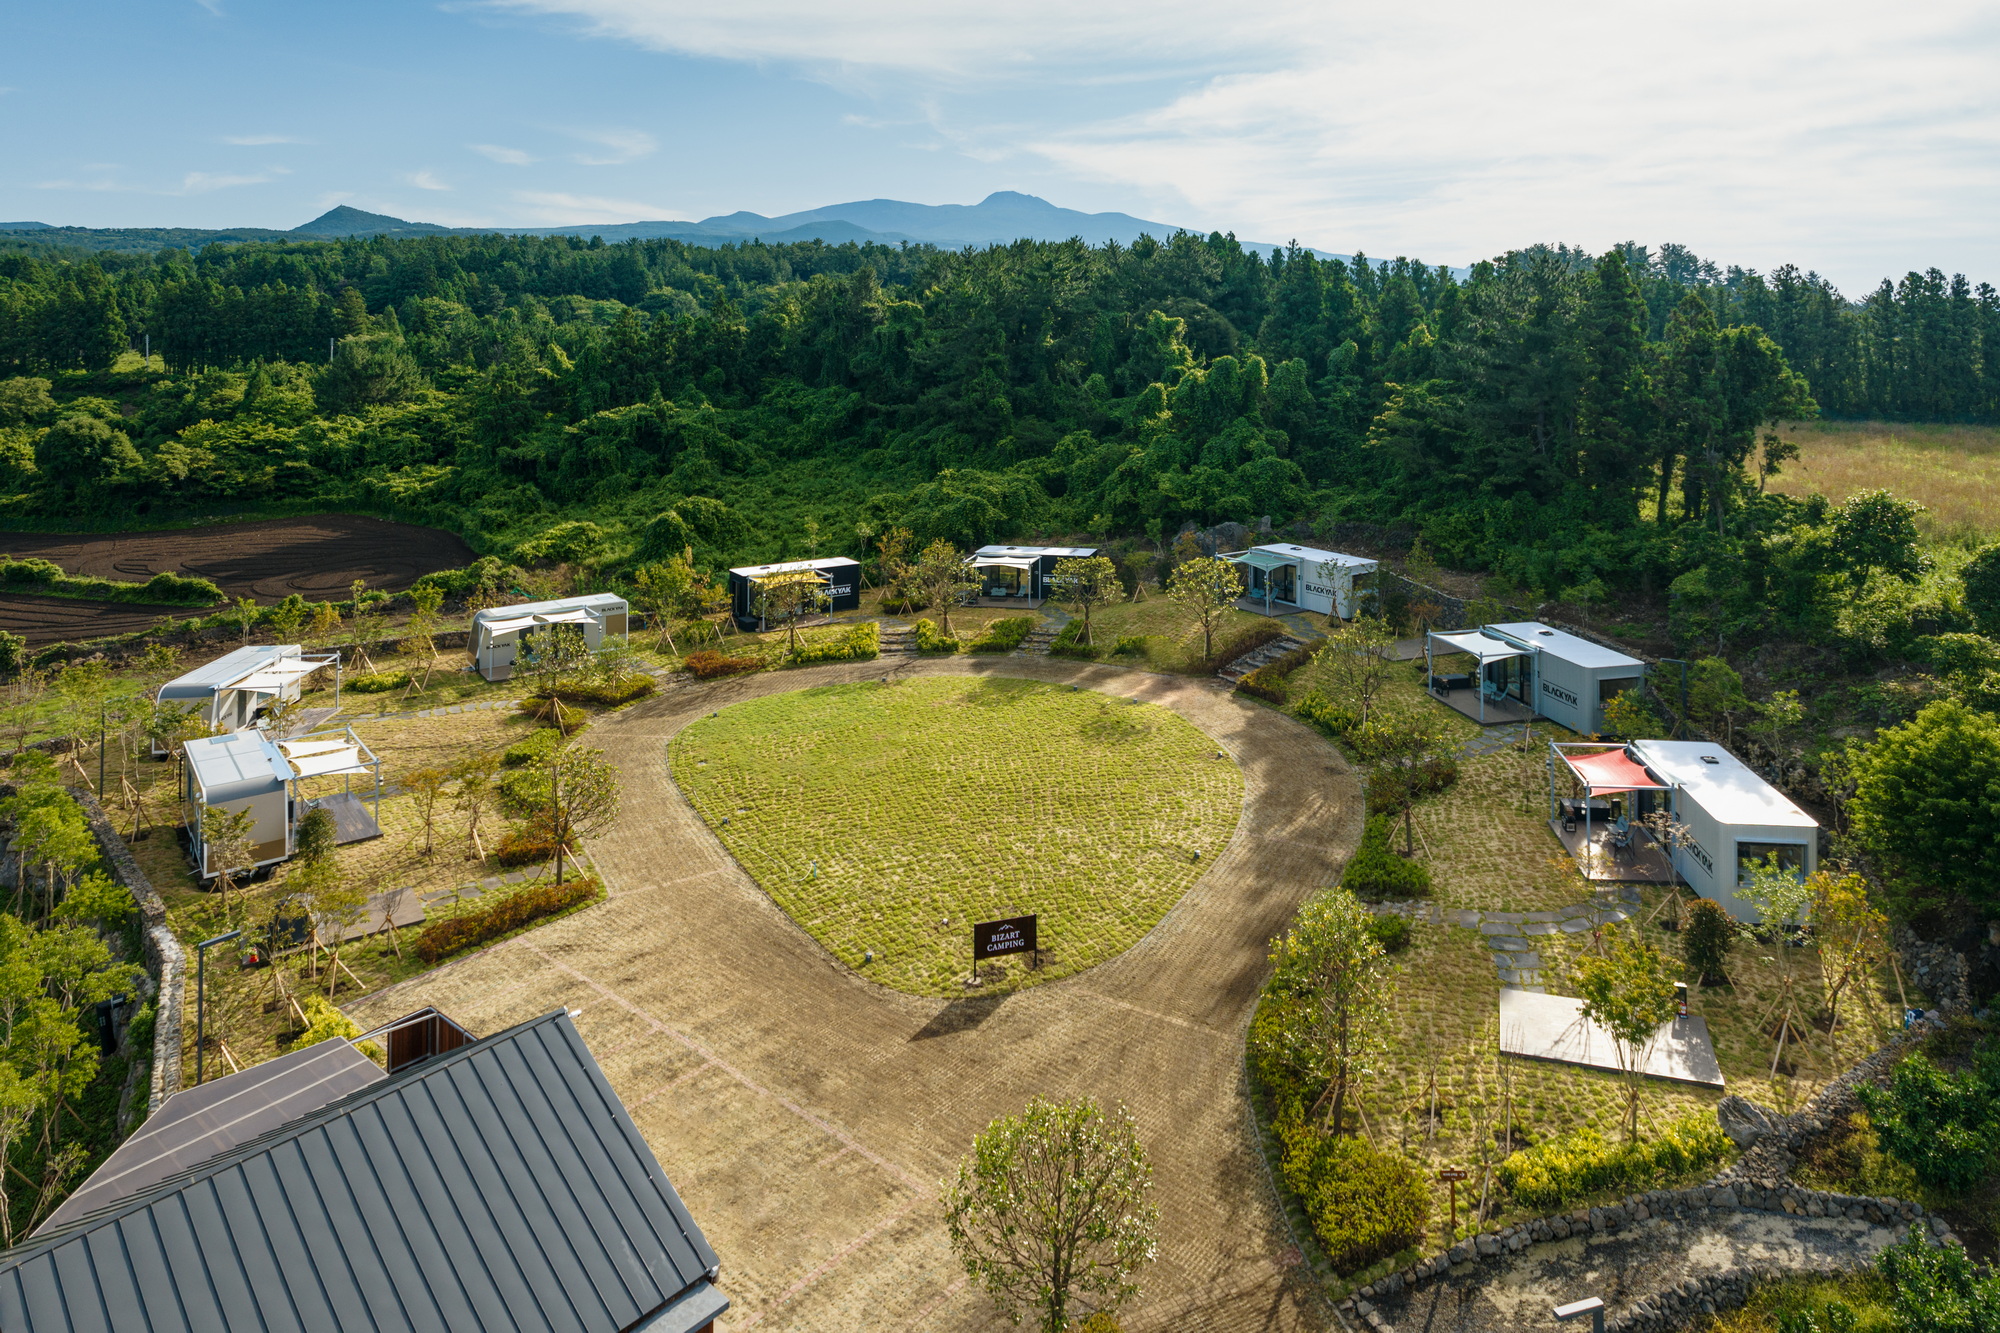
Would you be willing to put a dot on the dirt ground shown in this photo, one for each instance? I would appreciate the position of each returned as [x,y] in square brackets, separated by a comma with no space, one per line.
[809,1115]
[317,557]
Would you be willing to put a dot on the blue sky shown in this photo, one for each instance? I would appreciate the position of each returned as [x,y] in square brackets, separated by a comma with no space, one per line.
[1860,140]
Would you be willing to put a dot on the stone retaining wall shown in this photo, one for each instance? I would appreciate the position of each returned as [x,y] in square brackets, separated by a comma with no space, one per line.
[1771,1142]
[165,959]
[1744,1196]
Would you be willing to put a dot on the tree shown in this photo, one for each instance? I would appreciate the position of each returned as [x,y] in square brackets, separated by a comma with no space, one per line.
[1926,805]
[1085,582]
[246,611]
[790,595]
[226,836]
[425,599]
[1944,1127]
[1051,1213]
[1875,530]
[1706,935]
[287,618]
[315,837]
[1981,576]
[941,578]
[1205,587]
[81,452]
[474,775]
[324,627]
[1628,990]
[668,593]
[583,796]
[425,787]
[1354,661]
[1615,415]
[553,654]
[1716,697]
[370,370]
[1852,934]
[1332,964]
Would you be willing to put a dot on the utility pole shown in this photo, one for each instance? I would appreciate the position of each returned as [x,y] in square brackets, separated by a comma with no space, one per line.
[201,998]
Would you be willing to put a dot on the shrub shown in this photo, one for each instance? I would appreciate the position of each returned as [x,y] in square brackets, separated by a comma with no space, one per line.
[607,695]
[930,639]
[533,748]
[526,847]
[551,712]
[1246,640]
[1939,1289]
[1555,1174]
[1364,1204]
[1392,932]
[462,930]
[525,790]
[862,643]
[1318,710]
[1267,682]
[378,683]
[1944,1127]
[1067,644]
[1706,935]
[325,1021]
[709,664]
[1377,874]
[1283,1067]
[1130,645]
[1003,636]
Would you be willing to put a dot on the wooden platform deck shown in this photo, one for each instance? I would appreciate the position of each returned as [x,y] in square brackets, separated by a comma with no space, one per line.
[351,820]
[1644,862]
[1497,710]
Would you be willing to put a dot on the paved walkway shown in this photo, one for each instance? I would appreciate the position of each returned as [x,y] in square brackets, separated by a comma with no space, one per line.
[808,1116]
[1510,935]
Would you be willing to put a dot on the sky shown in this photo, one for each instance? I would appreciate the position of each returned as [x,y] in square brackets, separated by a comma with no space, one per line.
[1857,140]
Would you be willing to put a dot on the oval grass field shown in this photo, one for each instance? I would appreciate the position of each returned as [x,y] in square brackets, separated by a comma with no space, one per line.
[889,817]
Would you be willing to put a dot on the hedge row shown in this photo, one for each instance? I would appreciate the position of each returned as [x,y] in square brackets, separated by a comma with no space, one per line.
[1365,1204]
[1553,1175]
[463,930]
[709,664]
[931,639]
[1267,682]
[1003,636]
[47,578]
[862,643]
[1377,874]
[1070,643]
[608,696]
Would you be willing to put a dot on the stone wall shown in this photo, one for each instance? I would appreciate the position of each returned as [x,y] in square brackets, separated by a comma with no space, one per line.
[1489,1247]
[1770,1143]
[166,961]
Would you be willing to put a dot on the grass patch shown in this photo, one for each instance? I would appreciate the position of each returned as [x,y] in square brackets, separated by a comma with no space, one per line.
[1954,471]
[888,818]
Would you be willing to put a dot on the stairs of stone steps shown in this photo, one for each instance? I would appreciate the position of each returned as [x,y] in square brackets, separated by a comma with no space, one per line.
[1038,640]
[898,641]
[1240,667]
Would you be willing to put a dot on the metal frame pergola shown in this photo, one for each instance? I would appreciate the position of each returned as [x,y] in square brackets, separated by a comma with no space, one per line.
[1558,750]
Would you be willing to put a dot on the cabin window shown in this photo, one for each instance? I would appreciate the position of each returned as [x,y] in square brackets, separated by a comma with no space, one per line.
[1607,690]
[1791,856]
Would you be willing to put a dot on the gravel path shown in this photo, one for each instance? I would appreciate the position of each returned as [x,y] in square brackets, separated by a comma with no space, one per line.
[808,1115]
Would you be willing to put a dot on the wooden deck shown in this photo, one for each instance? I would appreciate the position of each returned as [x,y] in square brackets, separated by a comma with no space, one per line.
[1644,862]
[1256,606]
[351,820]
[1497,710]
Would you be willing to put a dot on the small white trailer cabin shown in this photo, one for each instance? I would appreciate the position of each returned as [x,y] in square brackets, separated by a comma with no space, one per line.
[230,692]
[501,635]
[1734,819]
[248,770]
[1019,575]
[1286,577]
[1565,678]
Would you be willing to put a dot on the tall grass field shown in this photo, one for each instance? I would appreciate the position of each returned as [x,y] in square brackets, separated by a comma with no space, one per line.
[1953,471]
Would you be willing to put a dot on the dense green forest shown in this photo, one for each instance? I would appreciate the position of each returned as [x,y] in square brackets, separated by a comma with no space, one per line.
[1579,425]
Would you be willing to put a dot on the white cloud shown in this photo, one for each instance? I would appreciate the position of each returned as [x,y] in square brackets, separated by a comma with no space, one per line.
[555,209]
[212,7]
[194,182]
[615,147]
[424,180]
[1846,134]
[201,182]
[258,140]
[512,157]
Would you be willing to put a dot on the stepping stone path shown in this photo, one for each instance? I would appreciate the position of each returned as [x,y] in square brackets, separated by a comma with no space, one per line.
[1491,739]
[1509,935]
[897,638]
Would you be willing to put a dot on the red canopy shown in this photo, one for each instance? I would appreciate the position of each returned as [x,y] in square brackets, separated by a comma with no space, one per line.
[1610,770]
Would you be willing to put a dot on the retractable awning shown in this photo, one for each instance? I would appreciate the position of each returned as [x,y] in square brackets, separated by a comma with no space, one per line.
[300,749]
[1264,560]
[347,759]
[1610,770]
[1001,561]
[1481,647]
[506,626]
[277,676]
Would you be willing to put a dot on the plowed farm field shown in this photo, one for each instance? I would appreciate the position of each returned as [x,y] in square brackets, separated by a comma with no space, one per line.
[318,557]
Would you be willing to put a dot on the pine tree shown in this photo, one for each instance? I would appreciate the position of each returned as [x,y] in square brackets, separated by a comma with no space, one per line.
[1615,414]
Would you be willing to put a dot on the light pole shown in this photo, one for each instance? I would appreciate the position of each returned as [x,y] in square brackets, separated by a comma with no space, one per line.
[201,998]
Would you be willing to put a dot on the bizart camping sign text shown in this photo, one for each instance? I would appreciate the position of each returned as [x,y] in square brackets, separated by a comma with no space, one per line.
[991,939]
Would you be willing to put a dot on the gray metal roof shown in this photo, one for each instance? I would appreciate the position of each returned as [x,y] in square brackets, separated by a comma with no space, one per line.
[1065,552]
[201,1123]
[791,566]
[1569,647]
[600,602]
[206,679]
[500,1186]
[242,763]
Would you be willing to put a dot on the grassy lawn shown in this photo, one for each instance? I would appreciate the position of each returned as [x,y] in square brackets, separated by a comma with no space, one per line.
[891,817]
[1954,471]
[1173,640]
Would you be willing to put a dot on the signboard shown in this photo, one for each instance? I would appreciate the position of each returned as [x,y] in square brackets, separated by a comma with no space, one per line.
[1453,1173]
[993,939]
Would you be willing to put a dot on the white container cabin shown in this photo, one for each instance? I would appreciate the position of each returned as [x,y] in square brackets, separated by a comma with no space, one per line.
[1541,669]
[231,692]
[248,770]
[1019,575]
[502,634]
[1734,819]
[1286,577]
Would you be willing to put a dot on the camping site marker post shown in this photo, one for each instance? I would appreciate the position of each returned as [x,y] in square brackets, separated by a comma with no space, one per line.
[1451,1175]
[991,939]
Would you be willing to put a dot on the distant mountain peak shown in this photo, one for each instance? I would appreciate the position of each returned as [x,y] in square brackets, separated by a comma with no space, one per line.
[341,220]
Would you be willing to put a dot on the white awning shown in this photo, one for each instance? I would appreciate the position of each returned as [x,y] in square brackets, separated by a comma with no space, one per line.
[277,675]
[506,626]
[347,759]
[577,617]
[1002,561]
[300,749]
[1481,647]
